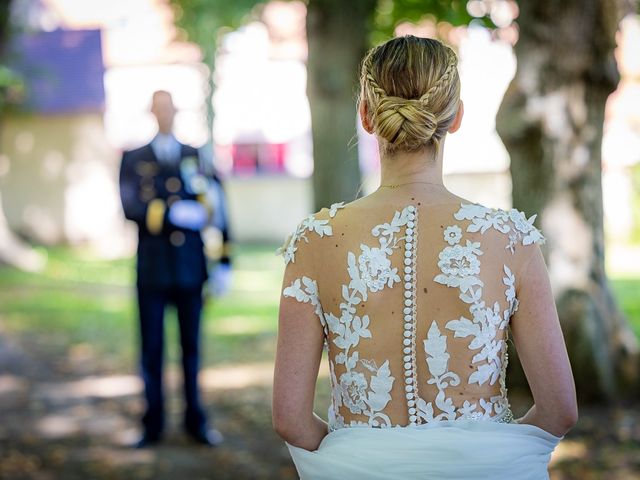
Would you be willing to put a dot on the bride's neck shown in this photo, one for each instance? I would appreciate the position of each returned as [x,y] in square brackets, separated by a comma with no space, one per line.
[424,166]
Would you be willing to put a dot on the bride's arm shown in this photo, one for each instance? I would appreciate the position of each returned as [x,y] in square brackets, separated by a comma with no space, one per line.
[300,343]
[542,352]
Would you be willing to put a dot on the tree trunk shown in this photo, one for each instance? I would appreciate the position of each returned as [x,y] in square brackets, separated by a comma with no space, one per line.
[551,122]
[338,34]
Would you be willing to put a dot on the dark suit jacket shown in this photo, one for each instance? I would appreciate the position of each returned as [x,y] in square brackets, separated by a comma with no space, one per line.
[169,256]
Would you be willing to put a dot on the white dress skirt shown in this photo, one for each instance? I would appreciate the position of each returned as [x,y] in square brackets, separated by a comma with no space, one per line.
[448,450]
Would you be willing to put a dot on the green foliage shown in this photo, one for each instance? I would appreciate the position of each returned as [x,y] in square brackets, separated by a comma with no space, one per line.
[635,203]
[202,21]
[626,292]
[11,83]
[389,13]
[5,11]
[12,88]
[205,21]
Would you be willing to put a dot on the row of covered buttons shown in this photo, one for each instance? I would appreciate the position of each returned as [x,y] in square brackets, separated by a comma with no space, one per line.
[409,312]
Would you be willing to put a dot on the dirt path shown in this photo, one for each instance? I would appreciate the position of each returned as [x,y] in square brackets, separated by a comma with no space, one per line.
[63,420]
[57,423]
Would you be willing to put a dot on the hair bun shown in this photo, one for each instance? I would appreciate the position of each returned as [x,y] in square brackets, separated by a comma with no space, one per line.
[411,89]
[404,122]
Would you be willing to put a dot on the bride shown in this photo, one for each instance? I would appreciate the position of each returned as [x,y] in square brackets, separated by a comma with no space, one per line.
[415,292]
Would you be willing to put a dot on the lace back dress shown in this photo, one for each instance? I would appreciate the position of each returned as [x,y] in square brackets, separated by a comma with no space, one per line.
[415,302]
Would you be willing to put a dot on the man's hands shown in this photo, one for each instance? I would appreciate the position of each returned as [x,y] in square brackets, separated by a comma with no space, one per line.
[221,280]
[188,214]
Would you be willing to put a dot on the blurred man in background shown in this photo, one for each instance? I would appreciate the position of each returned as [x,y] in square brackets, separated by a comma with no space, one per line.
[173,197]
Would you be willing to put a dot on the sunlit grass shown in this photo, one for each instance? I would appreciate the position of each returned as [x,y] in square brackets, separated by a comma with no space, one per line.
[80,300]
[71,266]
[627,292]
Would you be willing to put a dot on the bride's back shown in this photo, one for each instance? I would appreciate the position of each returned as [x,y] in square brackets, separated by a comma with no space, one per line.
[414,291]
[415,301]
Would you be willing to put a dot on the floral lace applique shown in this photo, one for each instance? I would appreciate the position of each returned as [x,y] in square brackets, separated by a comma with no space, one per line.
[483,328]
[333,209]
[306,290]
[309,224]
[435,347]
[370,272]
[364,386]
[453,234]
[460,268]
[483,218]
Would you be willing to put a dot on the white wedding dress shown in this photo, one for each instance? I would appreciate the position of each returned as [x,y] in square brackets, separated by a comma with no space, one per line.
[415,302]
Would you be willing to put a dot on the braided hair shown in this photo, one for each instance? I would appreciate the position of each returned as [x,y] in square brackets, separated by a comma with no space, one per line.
[412,89]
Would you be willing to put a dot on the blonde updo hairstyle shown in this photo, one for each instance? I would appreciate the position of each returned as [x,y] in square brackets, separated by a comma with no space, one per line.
[412,92]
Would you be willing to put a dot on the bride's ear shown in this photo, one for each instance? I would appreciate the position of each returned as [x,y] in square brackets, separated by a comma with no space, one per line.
[458,120]
[363,109]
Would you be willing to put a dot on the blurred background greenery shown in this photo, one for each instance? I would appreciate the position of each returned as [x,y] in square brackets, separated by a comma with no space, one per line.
[552,96]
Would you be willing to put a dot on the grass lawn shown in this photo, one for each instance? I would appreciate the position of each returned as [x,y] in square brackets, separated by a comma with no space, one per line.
[88,304]
[627,292]
[79,301]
